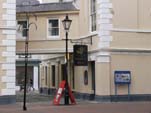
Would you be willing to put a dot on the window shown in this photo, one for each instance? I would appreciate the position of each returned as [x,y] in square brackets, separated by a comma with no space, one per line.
[46,75]
[93,15]
[53,75]
[53,28]
[23,26]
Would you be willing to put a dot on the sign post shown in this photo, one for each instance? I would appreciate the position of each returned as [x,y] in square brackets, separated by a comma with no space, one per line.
[122,77]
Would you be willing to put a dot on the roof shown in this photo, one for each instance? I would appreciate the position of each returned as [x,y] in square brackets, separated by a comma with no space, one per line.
[27,2]
[64,6]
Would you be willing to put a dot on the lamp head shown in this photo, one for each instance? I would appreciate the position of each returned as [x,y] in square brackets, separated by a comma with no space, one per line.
[67,23]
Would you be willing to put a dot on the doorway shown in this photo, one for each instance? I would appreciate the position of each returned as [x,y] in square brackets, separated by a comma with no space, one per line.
[63,71]
[20,74]
[93,79]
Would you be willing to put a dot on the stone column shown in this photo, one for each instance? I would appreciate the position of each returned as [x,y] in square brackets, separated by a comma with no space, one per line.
[104,17]
[7,50]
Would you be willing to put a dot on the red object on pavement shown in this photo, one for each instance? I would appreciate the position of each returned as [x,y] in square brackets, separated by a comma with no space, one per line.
[59,94]
[72,99]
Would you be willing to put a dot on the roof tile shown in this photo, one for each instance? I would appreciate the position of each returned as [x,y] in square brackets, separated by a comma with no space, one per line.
[37,7]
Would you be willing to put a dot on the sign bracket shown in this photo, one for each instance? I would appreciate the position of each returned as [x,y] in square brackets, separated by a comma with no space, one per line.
[84,40]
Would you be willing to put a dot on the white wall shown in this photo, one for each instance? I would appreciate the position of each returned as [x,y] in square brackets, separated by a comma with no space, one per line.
[8,36]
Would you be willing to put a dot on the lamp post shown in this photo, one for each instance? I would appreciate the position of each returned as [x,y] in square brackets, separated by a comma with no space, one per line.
[25,4]
[66,24]
[26,64]
[26,59]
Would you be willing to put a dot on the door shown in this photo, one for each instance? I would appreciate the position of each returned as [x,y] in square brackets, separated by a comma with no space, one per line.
[63,71]
[93,78]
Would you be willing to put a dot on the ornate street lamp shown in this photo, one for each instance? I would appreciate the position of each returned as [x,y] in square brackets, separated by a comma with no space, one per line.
[66,24]
[26,59]
[26,54]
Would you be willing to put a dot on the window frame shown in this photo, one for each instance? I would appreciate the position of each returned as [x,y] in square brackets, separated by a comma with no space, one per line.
[53,37]
[91,16]
[21,37]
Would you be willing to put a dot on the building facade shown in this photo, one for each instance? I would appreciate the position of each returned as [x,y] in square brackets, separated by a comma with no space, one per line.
[117,35]
[7,50]
[130,46]
[43,42]
[33,60]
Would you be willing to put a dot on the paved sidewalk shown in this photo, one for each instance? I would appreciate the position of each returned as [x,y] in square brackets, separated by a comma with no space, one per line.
[33,97]
[47,107]
[37,103]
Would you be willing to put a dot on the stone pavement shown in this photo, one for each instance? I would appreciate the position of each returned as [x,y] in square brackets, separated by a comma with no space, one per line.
[44,105]
[33,97]
[47,107]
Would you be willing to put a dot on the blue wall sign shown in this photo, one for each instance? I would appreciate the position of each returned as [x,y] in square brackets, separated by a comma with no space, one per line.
[122,77]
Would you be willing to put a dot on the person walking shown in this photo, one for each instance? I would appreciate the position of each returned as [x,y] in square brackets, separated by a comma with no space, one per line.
[31,85]
[22,85]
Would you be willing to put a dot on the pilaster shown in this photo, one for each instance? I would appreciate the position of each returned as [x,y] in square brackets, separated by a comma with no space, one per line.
[8,42]
[104,22]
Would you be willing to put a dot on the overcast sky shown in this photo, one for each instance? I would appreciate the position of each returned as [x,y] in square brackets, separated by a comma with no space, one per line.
[40,1]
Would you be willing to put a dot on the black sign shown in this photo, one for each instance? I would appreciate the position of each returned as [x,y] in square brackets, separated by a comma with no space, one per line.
[80,55]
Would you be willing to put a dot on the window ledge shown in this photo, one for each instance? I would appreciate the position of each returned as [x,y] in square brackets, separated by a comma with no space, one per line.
[54,38]
[93,32]
[20,39]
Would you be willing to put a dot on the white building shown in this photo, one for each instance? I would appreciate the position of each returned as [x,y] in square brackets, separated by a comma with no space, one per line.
[7,50]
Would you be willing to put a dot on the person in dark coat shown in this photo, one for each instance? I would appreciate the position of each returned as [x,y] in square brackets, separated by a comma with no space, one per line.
[31,85]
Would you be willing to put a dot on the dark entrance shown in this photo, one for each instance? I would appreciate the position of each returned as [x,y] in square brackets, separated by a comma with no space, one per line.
[93,78]
[63,71]
[20,73]
[53,75]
